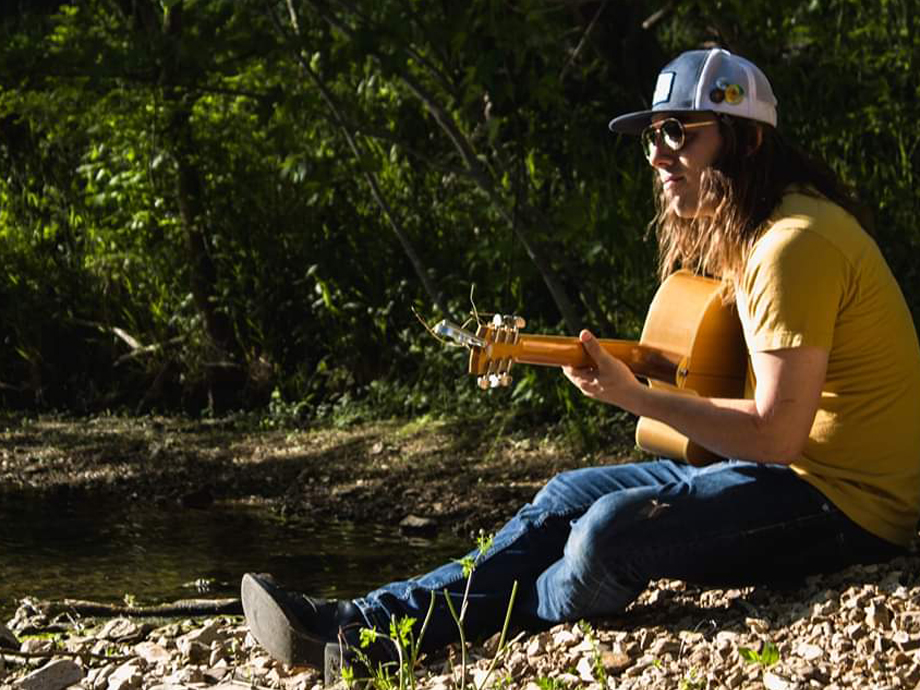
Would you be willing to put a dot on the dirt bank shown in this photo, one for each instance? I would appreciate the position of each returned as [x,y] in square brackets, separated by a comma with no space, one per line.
[452,473]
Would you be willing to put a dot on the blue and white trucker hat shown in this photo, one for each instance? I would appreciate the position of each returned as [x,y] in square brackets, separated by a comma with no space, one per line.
[712,80]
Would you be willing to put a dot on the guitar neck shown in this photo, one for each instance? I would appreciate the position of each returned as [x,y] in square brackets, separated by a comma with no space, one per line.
[643,361]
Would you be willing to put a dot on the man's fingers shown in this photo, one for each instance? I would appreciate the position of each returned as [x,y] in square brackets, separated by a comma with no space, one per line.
[592,347]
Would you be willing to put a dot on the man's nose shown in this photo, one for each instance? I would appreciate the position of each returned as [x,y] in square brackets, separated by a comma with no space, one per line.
[659,156]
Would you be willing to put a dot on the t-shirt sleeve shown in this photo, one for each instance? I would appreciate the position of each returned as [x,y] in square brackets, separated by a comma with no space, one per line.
[794,283]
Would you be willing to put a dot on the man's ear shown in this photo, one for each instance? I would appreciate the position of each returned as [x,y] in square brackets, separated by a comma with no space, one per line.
[756,140]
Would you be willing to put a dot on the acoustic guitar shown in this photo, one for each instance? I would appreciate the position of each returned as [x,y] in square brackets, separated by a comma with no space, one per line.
[691,343]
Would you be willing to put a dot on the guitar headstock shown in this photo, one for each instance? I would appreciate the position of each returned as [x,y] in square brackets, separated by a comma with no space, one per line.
[490,347]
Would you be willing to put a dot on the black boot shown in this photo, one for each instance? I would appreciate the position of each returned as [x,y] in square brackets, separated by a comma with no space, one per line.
[295,628]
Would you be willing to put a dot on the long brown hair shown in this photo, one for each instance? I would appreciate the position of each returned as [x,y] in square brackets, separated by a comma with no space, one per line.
[743,186]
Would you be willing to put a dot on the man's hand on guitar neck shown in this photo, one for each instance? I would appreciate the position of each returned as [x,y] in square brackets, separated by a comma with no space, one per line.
[609,380]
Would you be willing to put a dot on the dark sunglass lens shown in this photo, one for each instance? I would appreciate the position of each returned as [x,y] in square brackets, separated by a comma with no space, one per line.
[648,139]
[673,134]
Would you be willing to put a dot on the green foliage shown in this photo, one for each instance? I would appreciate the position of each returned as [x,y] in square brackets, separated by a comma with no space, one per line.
[766,657]
[210,204]
[547,683]
[469,562]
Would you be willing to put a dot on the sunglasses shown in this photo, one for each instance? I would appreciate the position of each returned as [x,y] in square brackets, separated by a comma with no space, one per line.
[671,132]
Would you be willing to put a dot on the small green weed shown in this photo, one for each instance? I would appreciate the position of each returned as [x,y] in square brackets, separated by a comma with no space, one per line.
[402,636]
[546,683]
[766,657]
[692,681]
[599,671]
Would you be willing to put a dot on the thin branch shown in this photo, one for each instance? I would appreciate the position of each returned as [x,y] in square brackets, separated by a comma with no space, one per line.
[658,15]
[369,178]
[583,40]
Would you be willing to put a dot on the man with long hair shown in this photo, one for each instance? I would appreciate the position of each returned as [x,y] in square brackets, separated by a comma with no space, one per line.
[825,449]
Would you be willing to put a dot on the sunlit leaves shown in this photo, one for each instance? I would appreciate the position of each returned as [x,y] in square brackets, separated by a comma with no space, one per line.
[307,265]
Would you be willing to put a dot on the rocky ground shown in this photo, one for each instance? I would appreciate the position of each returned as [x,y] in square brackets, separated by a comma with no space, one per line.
[857,629]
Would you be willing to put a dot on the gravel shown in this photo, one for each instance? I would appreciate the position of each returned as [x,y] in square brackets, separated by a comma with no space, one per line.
[859,628]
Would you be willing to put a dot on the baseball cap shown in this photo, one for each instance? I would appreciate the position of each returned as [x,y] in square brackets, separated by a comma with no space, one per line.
[712,80]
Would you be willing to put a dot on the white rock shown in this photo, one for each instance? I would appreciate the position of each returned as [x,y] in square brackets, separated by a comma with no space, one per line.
[55,675]
[205,635]
[476,677]
[98,678]
[585,669]
[152,653]
[663,646]
[586,646]
[757,625]
[567,679]
[35,645]
[809,652]
[564,639]
[127,676]
[536,646]
[195,652]
[772,681]
[727,637]
[517,664]
[185,676]
[119,629]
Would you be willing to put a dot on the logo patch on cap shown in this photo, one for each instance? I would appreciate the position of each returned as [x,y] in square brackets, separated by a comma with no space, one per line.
[663,88]
[732,94]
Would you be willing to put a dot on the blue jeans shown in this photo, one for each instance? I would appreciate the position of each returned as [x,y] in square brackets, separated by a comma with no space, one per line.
[592,539]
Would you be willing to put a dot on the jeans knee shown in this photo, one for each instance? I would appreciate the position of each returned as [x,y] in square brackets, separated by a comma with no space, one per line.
[600,539]
[562,493]
[584,548]
[546,498]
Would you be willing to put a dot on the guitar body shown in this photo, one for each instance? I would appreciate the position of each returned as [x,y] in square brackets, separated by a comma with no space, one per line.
[687,316]
[691,344]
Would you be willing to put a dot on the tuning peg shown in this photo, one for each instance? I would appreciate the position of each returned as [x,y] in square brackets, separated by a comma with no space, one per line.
[488,381]
[508,321]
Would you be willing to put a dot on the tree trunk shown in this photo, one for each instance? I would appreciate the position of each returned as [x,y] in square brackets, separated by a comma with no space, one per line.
[202,271]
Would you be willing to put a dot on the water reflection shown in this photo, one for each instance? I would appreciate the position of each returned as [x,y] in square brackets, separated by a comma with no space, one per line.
[85,549]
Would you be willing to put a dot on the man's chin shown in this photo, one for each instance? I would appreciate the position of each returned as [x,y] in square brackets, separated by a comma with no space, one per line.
[682,209]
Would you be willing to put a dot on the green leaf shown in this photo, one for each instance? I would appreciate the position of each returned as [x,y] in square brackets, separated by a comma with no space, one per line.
[749,655]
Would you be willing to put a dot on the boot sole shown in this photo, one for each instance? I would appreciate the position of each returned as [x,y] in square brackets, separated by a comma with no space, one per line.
[273,627]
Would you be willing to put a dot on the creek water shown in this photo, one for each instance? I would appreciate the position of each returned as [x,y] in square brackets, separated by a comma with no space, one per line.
[86,549]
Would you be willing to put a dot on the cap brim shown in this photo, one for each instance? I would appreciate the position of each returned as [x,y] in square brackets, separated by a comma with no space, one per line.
[631,123]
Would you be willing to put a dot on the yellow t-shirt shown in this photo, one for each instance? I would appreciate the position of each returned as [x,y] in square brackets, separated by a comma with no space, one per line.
[816,278]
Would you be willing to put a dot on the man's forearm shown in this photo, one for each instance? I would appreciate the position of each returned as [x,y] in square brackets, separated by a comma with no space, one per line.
[730,427]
